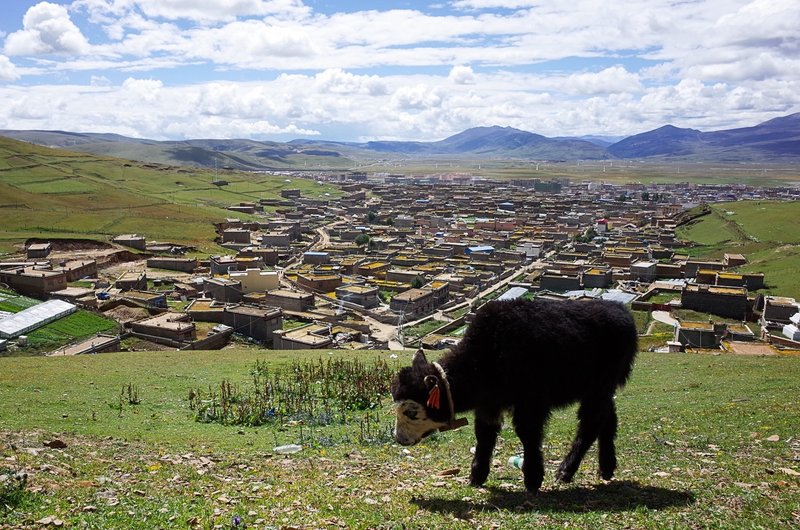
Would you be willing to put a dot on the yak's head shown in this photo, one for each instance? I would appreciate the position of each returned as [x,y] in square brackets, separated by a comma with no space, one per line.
[420,406]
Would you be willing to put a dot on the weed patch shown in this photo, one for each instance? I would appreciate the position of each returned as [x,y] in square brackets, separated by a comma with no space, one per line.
[312,393]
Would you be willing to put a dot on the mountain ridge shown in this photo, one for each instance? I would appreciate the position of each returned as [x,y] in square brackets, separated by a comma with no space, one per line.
[777,138]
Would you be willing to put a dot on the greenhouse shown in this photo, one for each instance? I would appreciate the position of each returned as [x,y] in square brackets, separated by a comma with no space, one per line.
[34,317]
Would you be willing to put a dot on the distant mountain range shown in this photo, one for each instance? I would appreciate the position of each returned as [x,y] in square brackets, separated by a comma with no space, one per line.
[774,140]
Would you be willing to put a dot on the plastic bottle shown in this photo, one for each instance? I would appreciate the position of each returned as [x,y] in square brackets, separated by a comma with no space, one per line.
[515,461]
[288,449]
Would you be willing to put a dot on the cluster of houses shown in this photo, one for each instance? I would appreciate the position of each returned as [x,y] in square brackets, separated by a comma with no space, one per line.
[302,273]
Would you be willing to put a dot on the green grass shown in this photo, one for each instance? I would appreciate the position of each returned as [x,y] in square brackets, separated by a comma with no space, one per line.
[704,442]
[664,297]
[420,330]
[78,325]
[764,231]
[53,193]
[642,319]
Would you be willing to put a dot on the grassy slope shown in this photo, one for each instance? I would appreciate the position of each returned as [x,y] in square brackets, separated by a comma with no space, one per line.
[52,193]
[765,232]
[696,449]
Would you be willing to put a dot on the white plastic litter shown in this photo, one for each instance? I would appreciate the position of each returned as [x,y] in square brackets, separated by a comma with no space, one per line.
[288,449]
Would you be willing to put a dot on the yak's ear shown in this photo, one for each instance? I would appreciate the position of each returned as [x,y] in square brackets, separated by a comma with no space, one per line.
[431,381]
[419,360]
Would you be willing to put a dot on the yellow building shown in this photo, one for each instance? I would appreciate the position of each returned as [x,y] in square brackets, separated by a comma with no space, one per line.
[256,280]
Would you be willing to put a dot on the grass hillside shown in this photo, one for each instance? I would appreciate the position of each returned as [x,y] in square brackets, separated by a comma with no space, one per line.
[704,442]
[764,231]
[53,193]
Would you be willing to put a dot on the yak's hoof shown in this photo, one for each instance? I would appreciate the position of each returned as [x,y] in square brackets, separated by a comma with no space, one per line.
[606,475]
[564,476]
[533,488]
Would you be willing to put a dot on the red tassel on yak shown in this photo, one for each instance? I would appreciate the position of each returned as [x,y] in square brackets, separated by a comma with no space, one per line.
[433,397]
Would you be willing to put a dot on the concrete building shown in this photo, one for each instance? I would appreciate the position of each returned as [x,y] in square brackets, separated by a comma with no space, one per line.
[308,337]
[173,264]
[236,235]
[222,265]
[597,278]
[276,239]
[100,343]
[149,299]
[644,271]
[76,295]
[693,266]
[733,260]
[706,335]
[376,269]
[420,301]
[132,280]
[268,256]
[223,290]
[257,323]
[319,283]
[78,269]
[255,280]
[778,310]
[728,302]
[363,295]
[38,250]
[175,327]
[131,240]
[316,258]
[34,282]
[559,282]
[290,300]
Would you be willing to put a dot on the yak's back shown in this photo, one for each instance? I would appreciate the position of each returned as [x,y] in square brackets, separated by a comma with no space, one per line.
[543,343]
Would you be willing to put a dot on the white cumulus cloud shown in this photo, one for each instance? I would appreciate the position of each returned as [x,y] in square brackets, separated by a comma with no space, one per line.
[417,97]
[462,75]
[8,71]
[47,29]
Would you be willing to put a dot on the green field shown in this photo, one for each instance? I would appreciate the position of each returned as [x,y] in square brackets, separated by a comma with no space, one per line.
[704,442]
[52,193]
[78,325]
[764,231]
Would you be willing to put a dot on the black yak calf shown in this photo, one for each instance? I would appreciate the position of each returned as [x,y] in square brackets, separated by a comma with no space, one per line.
[528,357]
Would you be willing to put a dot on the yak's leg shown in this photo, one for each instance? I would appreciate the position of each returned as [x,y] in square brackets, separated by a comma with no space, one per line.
[592,415]
[529,425]
[487,427]
[606,453]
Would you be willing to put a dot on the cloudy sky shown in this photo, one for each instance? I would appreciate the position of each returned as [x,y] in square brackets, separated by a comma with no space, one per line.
[418,70]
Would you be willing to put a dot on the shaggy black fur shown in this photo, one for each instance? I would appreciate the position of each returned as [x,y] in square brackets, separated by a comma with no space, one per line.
[531,357]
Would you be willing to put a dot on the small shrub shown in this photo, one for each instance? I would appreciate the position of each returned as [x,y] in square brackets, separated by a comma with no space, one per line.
[130,392]
[12,488]
[314,393]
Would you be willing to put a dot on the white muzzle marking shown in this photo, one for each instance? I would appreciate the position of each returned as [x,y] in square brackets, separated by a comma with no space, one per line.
[412,423]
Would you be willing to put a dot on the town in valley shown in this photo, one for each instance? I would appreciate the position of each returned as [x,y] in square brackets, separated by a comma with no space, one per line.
[398,262]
